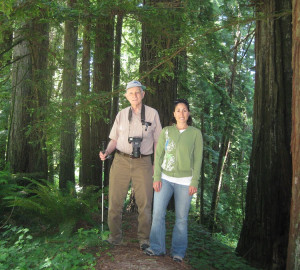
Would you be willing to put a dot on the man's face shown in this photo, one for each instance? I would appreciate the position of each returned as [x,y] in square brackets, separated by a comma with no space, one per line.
[135,96]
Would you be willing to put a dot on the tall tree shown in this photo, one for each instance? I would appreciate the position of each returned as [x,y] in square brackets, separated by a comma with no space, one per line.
[102,87]
[264,236]
[293,261]
[227,133]
[85,139]
[117,66]
[27,151]
[6,38]
[68,115]
[160,35]
[159,70]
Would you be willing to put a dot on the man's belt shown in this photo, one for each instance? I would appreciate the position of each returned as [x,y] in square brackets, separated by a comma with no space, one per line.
[130,156]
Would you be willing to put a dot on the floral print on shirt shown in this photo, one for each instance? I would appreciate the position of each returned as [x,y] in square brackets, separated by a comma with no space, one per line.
[169,159]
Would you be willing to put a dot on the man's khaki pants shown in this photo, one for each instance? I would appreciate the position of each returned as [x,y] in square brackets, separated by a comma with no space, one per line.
[139,171]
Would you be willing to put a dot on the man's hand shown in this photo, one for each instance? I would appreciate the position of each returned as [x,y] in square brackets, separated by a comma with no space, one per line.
[110,148]
[103,155]
[157,186]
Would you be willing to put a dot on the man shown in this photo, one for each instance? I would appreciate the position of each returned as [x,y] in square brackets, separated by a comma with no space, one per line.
[134,135]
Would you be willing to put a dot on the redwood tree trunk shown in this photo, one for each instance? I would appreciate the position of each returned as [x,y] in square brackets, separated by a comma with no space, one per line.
[67,137]
[206,111]
[159,34]
[26,149]
[117,67]
[85,139]
[102,86]
[5,59]
[161,92]
[223,153]
[161,87]
[264,237]
[39,52]
[21,75]
[293,261]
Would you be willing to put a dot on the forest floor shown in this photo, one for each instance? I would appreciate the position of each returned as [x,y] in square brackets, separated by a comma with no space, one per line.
[129,256]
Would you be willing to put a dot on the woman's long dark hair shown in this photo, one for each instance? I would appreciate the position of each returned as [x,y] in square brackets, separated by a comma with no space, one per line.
[185,102]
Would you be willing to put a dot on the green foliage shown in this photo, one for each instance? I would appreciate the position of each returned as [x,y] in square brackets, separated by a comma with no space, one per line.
[45,201]
[7,7]
[35,248]
[222,102]
[7,188]
[203,34]
[20,250]
[205,252]
[131,44]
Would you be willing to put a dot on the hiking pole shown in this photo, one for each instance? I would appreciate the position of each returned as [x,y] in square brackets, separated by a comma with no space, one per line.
[103,171]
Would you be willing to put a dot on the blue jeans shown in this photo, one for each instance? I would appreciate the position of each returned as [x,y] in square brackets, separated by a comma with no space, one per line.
[158,229]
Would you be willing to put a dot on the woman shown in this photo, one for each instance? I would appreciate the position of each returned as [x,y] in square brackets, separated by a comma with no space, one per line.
[177,167]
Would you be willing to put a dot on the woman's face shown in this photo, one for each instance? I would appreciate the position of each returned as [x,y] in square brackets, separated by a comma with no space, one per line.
[181,113]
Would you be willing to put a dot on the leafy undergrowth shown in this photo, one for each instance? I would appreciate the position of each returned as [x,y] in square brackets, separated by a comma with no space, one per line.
[52,240]
[20,250]
[206,252]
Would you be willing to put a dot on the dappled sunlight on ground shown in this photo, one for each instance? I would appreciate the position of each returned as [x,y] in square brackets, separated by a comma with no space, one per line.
[129,256]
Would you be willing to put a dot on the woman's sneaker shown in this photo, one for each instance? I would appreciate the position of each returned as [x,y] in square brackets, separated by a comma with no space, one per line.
[144,244]
[177,259]
[150,252]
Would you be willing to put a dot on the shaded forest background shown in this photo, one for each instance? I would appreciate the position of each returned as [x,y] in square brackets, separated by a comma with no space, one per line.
[64,66]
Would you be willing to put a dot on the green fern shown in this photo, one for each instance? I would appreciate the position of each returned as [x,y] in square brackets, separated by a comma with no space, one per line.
[46,201]
[8,188]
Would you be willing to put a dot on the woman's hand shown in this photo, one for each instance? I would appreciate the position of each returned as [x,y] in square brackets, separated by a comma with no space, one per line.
[157,186]
[192,190]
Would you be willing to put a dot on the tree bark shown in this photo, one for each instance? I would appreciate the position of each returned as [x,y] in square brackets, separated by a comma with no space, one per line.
[161,92]
[293,258]
[117,67]
[26,149]
[85,139]
[160,35]
[68,116]
[102,87]
[182,74]
[264,236]
[51,148]
[5,58]
[20,119]
[161,86]
[223,153]
[201,185]
[39,51]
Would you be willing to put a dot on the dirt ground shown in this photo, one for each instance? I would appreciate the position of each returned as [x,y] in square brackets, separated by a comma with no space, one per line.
[129,256]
